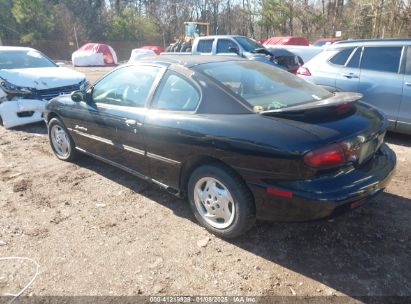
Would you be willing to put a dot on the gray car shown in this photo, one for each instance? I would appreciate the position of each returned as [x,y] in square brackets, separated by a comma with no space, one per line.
[379,69]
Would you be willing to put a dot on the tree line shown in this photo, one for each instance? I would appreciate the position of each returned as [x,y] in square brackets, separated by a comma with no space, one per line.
[75,21]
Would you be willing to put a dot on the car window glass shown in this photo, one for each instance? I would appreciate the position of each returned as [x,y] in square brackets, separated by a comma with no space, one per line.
[176,94]
[341,57]
[383,59]
[264,87]
[408,62]
[129,86]
[24,59]
[205,45]
[223,45]
[355,59]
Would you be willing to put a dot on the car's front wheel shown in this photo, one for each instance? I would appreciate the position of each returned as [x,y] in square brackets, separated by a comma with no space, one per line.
[221,201]
[61,141]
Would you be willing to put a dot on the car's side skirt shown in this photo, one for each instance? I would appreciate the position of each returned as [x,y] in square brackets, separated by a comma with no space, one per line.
[131,171]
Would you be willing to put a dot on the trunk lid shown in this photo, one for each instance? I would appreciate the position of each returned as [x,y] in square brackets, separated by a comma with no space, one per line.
[340,119]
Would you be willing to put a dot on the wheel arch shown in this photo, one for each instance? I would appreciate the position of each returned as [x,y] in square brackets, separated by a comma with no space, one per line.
[52,115]
[200,160]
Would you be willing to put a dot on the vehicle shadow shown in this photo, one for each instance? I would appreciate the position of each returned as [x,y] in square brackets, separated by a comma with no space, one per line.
[33,128]
[362,253]
[398,139]
[151,191]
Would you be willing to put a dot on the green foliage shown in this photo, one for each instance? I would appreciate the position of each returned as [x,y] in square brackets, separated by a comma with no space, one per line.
[35,19]
[8,23]
[131,26]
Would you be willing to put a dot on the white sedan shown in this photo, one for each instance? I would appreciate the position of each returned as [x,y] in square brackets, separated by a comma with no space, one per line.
[28,79]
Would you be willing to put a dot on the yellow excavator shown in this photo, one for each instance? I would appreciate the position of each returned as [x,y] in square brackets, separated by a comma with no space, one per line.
[192,31]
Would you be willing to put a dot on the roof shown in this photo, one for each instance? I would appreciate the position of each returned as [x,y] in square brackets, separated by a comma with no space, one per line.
[372,42]
[219,36]
[16,48]
[191,60]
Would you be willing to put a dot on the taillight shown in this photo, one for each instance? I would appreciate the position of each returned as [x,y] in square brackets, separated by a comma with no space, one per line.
[329,156]
[303,71]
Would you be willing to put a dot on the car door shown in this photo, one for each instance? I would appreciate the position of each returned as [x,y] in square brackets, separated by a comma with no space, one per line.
[404,113]
[381,80]
[227,47]
[347,79]
[114,116]
[89,122]
[171,114]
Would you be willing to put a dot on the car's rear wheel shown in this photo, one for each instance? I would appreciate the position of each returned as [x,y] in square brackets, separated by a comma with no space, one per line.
[61,142]
[221,201]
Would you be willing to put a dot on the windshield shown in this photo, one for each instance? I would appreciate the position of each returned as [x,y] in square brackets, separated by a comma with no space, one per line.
[247,44]
[264,87]
[24,59]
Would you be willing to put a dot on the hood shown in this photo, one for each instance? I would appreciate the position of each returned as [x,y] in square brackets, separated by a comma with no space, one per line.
[42,78]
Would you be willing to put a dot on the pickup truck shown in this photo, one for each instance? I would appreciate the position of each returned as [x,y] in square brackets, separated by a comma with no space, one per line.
[231,45]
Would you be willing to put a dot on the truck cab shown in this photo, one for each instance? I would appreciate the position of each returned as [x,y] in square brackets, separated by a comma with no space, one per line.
[230,45]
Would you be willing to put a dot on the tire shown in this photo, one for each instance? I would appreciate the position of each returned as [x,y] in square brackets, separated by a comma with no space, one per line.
[60,140]
[1,121]
[221,201]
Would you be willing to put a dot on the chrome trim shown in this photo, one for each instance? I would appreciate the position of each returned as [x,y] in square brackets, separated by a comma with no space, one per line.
[98,138]
[110,162]
[162,158]
[124,168]
[134,150]
[128,148]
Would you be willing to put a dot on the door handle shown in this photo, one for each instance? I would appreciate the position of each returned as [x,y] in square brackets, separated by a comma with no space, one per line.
[407,84]
[350,75]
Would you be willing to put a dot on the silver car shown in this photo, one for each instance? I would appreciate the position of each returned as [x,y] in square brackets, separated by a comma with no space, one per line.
[379,69]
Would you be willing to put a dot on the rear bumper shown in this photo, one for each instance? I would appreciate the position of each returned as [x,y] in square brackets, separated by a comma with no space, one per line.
[325,196]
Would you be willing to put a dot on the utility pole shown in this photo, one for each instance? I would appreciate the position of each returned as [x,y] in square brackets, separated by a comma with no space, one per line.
[75,36]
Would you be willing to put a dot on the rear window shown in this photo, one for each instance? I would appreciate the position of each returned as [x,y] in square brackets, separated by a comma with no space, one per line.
[205,45]
[263,86]
[341,57]
[383,59]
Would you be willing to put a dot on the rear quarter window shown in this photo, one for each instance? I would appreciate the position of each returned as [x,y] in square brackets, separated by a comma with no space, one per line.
[341,57]
[205,45]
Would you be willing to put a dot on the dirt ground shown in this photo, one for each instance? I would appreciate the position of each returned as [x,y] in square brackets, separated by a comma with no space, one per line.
[95,230]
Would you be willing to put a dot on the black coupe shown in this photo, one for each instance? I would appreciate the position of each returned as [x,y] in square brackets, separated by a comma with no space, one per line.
[241,139]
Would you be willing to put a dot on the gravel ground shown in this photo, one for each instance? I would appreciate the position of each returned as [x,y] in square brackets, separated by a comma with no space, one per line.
[95,230]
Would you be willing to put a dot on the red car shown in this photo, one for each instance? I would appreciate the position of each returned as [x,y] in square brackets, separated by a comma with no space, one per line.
[287,40]
[155,48]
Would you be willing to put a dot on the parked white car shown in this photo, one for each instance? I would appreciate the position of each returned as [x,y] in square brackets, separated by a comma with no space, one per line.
[137,54]
[28,79]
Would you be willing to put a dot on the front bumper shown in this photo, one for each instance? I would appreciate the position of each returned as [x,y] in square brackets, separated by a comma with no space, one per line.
[19,112]
[325,196]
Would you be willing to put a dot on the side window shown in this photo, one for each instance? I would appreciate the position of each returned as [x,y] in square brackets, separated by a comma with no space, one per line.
[176,94]
[383,59]
[205,45]
[128,86]
[341,57]
[223,45]
[355,59]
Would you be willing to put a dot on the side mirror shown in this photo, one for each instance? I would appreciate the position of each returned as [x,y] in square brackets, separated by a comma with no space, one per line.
[78,96]
[60,63]
[234,49]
